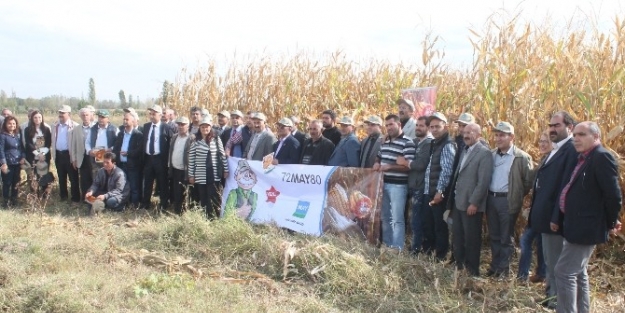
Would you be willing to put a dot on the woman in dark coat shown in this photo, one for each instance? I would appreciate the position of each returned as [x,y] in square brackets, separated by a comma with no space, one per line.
[37,135]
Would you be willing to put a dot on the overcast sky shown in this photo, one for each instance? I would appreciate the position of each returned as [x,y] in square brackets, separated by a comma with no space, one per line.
[53,47]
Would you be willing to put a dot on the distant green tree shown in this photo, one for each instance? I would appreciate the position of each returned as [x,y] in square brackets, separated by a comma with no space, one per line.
[122,99]
[81,104]
[166,93]
[91,92]
[130,101]
[3,98]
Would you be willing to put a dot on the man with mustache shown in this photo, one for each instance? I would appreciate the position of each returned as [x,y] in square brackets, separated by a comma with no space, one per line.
[471,180]
[330,131]
[406,112]
[547,185]
[588,209]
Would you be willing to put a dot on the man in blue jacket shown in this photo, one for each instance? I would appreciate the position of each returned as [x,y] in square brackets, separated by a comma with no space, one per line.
[347,152]
[587,209]
[287,149]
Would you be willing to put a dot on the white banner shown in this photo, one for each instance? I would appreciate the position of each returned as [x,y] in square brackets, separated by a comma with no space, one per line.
[291,196]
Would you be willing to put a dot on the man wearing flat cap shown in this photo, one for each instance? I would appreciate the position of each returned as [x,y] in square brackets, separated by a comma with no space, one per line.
[287,149]
[223,119]
[262,141]
[61,136]
[371,145]
[406,112]
[347,152]
[511,181]
[179,162]
[102,136]
[232,139]
[437,181]
[156,142]
[300,136]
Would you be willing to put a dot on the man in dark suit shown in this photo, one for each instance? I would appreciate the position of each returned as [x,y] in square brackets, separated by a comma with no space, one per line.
[471,180]
[317,149]
[157,137]
[300,136]
[287,149]
[547,186]
[232,139]
[223,119]
[370,146]
[129,151]
[587,209]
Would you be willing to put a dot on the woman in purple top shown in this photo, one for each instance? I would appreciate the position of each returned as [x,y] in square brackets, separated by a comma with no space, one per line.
[11,158]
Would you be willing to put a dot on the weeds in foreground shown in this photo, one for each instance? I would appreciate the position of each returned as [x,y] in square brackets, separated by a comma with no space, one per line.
[125,262]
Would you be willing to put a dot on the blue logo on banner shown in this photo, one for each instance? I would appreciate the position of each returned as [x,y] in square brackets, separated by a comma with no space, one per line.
[302,209]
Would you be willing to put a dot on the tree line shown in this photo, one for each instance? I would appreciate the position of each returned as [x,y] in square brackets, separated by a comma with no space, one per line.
[53,102]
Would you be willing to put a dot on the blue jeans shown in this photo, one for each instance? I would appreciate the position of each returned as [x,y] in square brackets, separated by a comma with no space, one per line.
[393,206]
[527,240]
[416,221]
[113,204]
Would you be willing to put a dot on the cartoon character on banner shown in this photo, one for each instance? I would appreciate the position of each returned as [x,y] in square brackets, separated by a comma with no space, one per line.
[242,200]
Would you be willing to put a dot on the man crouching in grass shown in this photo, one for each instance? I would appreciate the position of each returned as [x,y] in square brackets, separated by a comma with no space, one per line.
[109,185]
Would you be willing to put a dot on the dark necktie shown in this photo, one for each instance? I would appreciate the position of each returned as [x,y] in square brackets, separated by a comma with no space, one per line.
[152,140]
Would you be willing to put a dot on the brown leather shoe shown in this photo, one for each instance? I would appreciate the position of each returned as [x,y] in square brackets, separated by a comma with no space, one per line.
[536,279]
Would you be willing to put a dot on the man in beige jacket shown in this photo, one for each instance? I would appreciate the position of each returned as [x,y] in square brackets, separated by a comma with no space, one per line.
[77,153]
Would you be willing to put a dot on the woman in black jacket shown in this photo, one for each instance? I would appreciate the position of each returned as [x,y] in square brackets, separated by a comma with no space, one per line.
[37,136]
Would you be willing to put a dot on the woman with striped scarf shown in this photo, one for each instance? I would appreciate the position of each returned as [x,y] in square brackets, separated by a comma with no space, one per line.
[207,167]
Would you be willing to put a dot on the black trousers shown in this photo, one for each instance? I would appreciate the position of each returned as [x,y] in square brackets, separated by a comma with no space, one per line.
[64,170]
[155,170]
[178,185]
[86,176]
[467,240]
[210,199]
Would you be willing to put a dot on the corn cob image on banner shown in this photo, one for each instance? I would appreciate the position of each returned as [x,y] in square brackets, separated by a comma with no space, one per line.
[309,199]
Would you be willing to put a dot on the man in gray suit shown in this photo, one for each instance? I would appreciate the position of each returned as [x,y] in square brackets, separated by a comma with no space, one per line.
[370,146]
[261,143]
[472,179]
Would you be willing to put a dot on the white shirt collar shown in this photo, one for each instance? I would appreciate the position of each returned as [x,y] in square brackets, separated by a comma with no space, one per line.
[561,143]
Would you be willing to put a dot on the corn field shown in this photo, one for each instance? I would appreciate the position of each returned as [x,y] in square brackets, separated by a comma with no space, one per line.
[520,73]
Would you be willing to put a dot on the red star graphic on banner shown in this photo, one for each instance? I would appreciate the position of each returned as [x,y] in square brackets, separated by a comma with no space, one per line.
[272,194]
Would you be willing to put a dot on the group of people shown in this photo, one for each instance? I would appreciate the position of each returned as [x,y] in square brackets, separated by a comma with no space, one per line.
[576,197]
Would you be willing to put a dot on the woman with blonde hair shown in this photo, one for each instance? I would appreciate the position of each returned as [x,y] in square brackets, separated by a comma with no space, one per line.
[530,236]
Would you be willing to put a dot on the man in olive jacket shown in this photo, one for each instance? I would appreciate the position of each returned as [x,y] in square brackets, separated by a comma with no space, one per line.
[511,182]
